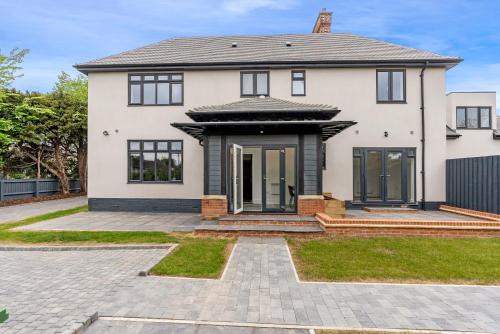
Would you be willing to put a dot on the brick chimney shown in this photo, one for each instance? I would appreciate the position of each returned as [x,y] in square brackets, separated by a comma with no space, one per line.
[323,22]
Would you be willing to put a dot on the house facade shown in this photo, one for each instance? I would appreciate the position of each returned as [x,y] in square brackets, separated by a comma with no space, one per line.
[269,123]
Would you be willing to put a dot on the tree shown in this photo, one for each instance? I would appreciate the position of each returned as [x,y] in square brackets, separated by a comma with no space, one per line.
[9,65]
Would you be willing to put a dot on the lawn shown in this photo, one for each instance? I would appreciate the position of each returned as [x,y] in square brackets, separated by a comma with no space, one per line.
[195,257]
[411,260]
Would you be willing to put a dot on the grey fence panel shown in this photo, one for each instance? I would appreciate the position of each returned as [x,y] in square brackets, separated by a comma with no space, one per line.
[14,189]
[474,183]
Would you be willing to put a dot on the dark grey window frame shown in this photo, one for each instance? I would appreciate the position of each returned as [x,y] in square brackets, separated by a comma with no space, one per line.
[408,152]
[155,151]
[390,97]
[254,83]
[299,79]
[479,127]
[156,81]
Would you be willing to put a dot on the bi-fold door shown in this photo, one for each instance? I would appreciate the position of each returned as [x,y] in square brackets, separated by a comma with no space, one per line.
[279,179]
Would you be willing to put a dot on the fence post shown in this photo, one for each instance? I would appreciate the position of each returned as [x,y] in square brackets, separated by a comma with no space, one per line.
[2,189]
[37,189]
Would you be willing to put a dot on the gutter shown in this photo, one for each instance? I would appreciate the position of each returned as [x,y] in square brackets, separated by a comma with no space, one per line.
[422,114]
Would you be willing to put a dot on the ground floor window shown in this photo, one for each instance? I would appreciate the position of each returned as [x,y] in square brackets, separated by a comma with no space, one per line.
[386,175]
[157,161]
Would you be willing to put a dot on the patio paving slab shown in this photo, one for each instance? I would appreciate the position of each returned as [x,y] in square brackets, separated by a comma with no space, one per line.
[56,291]
[260,286]
[121,221]
[418,215]
[23,211]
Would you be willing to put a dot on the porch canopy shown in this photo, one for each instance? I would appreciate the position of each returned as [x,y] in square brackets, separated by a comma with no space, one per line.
[263,115]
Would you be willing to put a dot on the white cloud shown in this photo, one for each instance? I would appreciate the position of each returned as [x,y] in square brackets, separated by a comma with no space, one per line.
[245,6]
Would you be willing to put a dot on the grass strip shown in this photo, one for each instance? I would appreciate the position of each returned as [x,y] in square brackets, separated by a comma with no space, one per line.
[405,260]
[195,257]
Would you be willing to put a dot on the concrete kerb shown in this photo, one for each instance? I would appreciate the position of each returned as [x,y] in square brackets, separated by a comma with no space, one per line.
[14,248]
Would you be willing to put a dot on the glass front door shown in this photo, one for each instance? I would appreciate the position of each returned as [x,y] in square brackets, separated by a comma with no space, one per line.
[279,179]
[237,165]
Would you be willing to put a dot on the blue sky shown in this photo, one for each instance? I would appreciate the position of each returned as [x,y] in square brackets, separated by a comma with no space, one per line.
[61,33]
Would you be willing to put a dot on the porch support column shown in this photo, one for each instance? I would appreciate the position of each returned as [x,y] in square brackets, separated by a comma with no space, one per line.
[213,201]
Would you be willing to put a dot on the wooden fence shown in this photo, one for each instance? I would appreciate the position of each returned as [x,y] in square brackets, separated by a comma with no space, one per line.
[14,189]
[474,183]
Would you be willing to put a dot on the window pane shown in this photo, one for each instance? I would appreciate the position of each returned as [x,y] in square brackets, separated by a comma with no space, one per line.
[149,146]
[461,118]
[485,117]
[298,74]
[163,93]
[176,167]
[162,166]
[149,93]
[135,93]
[356,170]
[135,78]
[176,146]
[262,84]
[383,86]
[163,77]
[247,82]
[176,77]
[397,86]
[135,166]
[148,166]
[411,179]
[149,77]
[162,146]
[472,115]
[135,146]
[176,93]
[298,87]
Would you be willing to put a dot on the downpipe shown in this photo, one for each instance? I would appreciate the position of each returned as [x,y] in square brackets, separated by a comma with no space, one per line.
[422,115]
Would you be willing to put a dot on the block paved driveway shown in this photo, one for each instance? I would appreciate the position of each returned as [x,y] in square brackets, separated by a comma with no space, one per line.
[260,286]
[22,211]
[121,221]
[56,291]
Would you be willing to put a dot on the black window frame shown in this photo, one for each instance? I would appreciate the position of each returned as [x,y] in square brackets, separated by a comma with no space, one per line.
[155,150]
[390,99]
[254,83]
[479,127]
[299,79]
[156,81]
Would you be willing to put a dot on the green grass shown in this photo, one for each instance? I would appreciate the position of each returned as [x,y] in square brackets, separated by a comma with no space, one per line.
[195,257]
[46,216]
[413,260]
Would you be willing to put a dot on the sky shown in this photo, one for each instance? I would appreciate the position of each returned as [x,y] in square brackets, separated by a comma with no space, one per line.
[61,33]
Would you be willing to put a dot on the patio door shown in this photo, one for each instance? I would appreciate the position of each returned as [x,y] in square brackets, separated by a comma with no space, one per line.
[237,178]
[279,179]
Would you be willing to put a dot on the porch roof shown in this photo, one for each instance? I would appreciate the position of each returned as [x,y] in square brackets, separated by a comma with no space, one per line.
[263,109]
[327,129]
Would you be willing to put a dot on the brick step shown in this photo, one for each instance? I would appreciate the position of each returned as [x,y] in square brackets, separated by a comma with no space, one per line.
[268,220]
[389,209]
[258,230]
[470,213]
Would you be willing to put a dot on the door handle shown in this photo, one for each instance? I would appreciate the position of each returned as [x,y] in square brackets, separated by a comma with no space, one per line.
[282,179]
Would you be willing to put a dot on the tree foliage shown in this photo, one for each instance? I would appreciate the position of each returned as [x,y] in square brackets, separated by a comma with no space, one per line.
[10,65]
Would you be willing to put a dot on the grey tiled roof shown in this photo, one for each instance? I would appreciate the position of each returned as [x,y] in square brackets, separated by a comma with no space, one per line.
[314,48]
[262,104]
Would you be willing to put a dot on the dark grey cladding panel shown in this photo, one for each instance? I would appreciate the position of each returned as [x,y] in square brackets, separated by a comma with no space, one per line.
[187,205]
[311,161]
[263,140]
[214,165]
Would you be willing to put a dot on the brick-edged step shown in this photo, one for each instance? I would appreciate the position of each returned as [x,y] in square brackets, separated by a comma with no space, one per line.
[258,230]
[389,209]
[471,213]
[268,220]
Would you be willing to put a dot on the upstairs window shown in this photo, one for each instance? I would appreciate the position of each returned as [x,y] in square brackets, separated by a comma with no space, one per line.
[254,83]
[391,86]
[155,161]
[298,83]
[156,89]
[473,118]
